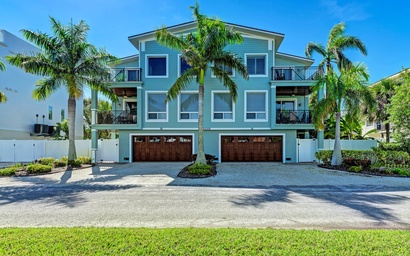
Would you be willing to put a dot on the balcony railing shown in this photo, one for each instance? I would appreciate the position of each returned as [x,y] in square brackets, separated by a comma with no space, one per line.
[126,74]
[296,73]
[117,117]
[293,117]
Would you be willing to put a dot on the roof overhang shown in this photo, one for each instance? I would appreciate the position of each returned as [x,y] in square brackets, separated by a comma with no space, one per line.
[304,60]
[181,28]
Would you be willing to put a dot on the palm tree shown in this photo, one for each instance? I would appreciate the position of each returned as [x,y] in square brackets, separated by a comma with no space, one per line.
[336,44]
[66,59]
[203,49]
[383,92]
[345,90]
[3,97]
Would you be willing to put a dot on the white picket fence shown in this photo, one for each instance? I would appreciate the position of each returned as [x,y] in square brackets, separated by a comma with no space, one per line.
[21,151]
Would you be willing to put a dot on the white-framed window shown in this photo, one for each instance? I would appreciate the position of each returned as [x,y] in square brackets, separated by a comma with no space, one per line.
[188,107]
[156,65]
[256,106]
[182,65]
[156,107]
[50,113]
[257,64]
[286,104]
[62,114]
[223,107]
[231,71]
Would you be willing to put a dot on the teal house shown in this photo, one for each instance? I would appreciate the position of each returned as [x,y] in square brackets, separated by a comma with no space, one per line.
[270,113]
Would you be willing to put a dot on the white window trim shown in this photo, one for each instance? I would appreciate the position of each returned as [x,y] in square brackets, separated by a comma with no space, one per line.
[179,107]
[295,104]
[212,108]
[146,107]
[266,106]
[266,63]
[147,56]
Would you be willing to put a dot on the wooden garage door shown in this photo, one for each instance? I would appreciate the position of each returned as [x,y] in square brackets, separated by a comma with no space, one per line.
[162,148]
[251,148]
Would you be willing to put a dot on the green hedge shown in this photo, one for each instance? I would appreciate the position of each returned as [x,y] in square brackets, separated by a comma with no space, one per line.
[8,171]
[38,168]
[325,156]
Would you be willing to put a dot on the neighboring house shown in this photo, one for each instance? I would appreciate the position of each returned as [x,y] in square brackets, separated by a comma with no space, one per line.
[270,113]
[369,125]
[21,116]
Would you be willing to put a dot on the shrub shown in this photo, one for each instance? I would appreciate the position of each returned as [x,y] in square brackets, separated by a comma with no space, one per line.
[84,159]
[76,163]
[60,163]
[38,168]
[199,169]
[46,161]
[325,156]
[355,169]
[392,157]
[352,161]
[209,158]
[400,172]
[8,171]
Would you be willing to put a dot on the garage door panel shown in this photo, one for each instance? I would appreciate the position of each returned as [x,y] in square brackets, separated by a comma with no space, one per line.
[162,148]
[251,148]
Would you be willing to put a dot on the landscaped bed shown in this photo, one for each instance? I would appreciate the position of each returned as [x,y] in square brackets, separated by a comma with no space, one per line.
[378,161]
[43,166]
[201,241]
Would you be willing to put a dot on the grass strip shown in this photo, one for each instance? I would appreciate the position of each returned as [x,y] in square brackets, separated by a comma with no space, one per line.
[201,241]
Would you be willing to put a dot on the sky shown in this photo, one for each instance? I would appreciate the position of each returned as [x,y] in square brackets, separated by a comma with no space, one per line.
[383,26]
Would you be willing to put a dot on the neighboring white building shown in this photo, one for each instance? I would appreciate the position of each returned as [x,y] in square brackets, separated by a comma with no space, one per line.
[21,112]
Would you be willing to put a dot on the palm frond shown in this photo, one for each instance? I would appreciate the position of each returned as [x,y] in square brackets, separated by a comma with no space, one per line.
[181,83]
[3,97]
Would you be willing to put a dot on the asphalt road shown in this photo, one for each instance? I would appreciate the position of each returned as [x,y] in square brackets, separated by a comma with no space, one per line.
[241,195]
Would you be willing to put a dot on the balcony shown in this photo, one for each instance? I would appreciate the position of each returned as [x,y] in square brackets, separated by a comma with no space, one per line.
[293,117]
[117,117]
[125,74]
[297,73]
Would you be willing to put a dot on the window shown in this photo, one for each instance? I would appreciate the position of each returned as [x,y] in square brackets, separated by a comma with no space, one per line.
[183,65]
[229,70]
[157,107]
[223,107]
[50,113]
[62,114]
[156,66]
[256,106]
[188,107]
[285,105]
[256,64]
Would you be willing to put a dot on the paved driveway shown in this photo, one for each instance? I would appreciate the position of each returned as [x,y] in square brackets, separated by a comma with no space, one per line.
[241,195]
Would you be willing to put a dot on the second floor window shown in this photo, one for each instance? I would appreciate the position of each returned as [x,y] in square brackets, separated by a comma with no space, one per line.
[50,113]
[255,106]
[256,64]
[62,114]
[183,65]
[188,106]
[222,107]
[156,66]
[156,106]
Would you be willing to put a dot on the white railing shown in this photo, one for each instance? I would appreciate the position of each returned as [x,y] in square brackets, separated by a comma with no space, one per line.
[23,151]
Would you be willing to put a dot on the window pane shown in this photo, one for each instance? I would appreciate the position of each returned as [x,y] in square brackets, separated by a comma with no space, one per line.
[184,116]
[261,116]
[218,116]
[157,66]
[194,115]
[162,116]
[228,116]
[189,102]
[255,102]
[156,103]
[222,102]
[132,75]
[184,66]
[260,66]
[152,116]
[288,105]
[250,116]
[50,113]
[250,63]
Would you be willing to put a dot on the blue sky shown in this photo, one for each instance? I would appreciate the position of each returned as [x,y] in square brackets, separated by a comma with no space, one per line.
[382,25]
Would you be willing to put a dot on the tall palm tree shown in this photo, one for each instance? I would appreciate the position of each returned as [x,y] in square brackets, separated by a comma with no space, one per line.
[337,43]
[66,60]
[345,90]
[383,92]
[3,97]
[203,49]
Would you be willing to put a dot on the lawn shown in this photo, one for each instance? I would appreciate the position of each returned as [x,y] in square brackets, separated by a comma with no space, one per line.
[197,241]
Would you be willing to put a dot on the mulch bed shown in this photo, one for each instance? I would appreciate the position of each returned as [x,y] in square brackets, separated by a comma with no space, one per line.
[345,168]
[185,174]
[53,170]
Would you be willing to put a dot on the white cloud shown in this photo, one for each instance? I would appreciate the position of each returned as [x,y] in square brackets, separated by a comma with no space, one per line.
[346,12]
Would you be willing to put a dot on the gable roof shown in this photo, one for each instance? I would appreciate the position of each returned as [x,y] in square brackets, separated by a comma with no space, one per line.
[278,37]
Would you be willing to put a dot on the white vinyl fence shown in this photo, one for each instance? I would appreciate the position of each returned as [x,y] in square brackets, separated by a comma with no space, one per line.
[308,147]
[28,150]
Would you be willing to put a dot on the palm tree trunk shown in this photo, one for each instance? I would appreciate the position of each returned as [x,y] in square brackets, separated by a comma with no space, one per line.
[387,127]
[72,155]
[201,154]
[337,150]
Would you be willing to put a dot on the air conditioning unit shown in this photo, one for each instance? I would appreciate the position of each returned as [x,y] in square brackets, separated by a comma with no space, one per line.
[40,129]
